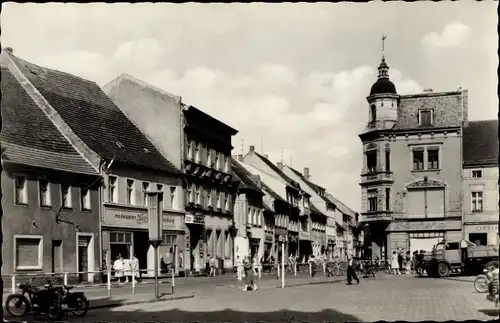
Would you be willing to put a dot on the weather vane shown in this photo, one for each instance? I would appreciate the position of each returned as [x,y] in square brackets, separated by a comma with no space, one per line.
[383,45]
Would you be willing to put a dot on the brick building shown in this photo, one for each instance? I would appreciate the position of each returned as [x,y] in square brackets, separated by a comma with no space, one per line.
[411,177]
[480,182]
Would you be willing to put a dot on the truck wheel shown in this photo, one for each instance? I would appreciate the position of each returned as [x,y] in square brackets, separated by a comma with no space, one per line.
[443,269]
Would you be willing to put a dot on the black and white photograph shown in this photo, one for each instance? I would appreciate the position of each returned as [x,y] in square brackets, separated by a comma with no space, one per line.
[249,162]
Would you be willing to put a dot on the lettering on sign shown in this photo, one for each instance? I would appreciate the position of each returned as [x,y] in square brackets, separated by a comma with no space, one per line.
[425,226]
[269,237]
[195,219]
[487,228]
[304,236]
[138,219]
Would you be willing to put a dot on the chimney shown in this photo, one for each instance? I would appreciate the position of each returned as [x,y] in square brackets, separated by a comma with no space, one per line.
[266,156]
[240,157]
[252,148]
[280,165]
[428,90]
[464,102]
[306,173]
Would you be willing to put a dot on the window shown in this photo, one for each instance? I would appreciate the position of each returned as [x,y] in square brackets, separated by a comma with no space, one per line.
[226,164]
[197,151]
[130,191]
[44,191]
[169,240]
[387,160]
[112,189]
[173,205]
[432,158]
[226,201]
[189,149]
[66,195]
[425,117]
[373,113]
[190,193]
[21,184]
[145,188]
[217,194]
[387,199]
[418,159]
[209,157]
[85,198]
[452,246]
[120,238]
[249,216]
[28,252]
[197,194]
[372,200]
[216,163]
[477,173]
[371,161]
[480,239]
[209,197]
[477,201]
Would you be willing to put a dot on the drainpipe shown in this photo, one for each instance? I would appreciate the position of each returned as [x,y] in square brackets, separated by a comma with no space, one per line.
[462,164]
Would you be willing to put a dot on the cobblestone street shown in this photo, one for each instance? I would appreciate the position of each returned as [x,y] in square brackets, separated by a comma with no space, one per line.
[387,298]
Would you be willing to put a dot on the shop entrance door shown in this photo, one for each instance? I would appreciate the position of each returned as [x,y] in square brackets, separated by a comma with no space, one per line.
[83,258]
[141,248]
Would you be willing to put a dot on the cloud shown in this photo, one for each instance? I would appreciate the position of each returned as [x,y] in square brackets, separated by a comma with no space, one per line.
[315,118]
[139,54]
[452,35]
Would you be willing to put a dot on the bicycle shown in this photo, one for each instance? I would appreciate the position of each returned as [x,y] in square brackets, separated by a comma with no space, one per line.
[334,269]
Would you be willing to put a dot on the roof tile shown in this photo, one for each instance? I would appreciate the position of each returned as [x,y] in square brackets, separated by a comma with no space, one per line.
[480,143]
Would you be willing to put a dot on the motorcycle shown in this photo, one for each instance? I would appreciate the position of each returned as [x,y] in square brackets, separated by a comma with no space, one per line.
[482,281]
[40,301]
[76,303]
[493,288]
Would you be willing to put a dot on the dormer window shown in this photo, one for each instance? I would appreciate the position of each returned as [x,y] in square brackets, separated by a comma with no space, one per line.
[373,113]
[425,117]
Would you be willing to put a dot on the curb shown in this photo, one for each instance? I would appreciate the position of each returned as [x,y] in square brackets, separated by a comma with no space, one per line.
[115,285]
[161,299]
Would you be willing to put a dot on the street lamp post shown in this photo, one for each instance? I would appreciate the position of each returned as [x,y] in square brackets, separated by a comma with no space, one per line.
[155,221]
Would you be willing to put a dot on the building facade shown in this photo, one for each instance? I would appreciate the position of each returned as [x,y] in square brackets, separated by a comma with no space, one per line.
[50,190]
[480,182]
[412,167]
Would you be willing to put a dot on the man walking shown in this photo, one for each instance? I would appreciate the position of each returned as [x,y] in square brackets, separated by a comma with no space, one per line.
[351,266]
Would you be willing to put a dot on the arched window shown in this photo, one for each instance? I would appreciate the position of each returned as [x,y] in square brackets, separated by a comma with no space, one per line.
[373,113]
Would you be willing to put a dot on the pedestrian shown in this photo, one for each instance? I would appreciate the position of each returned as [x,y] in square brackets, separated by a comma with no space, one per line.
[312,263]
[207,265]
[134,267]
[104,268]
[463,249]
[351,265]
[408,263]
[400,259]
[126,270]
[213,266]
[239,268]
[415,261]
[249,275]
[395,263]
[118,268]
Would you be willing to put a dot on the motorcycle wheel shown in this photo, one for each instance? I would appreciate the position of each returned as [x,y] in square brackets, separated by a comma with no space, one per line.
[17,301]
[82,305]
[481,284]
[55,311]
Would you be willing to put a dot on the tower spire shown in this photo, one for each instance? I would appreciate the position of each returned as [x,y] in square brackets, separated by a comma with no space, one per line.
[383,46]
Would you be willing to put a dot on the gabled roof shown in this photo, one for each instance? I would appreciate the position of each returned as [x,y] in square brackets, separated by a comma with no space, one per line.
[318,189]
[94,118]
[341,206]
[246,181]
[29,137]
[278,171]
[480,143]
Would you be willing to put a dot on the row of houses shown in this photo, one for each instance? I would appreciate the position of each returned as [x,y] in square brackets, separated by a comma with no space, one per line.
[78,160]
[428,171]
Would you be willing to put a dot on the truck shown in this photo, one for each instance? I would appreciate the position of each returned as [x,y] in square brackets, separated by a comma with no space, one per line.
[446,257]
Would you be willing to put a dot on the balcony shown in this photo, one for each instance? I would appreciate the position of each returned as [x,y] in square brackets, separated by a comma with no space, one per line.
[377,216]
[377,177]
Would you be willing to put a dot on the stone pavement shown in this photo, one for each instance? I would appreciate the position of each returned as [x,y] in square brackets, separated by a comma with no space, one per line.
[384,298]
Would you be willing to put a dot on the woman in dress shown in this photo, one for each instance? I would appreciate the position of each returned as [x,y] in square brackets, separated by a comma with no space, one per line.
[408,263]
[395,263]
[118,267]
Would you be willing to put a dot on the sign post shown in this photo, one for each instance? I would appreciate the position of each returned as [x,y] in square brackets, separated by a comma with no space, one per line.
[155,221]
[174,255]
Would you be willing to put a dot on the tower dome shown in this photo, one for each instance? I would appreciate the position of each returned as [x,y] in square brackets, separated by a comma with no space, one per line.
[383,84]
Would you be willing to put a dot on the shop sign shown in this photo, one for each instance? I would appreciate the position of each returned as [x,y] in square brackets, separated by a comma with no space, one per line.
[331,239]
[425,226]
[482,228]
[139,219]
[304,236]
[195,219]
[268,237]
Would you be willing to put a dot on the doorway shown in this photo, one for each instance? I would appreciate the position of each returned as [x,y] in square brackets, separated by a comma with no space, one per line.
[83,258]
[196,243]
[141,248]
[57,256]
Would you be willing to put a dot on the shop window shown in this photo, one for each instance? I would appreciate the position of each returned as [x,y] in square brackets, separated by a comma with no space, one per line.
[112,189]
[44,192]
[66,196]
[85,198]
[480,239]
[28,252]
[21,184]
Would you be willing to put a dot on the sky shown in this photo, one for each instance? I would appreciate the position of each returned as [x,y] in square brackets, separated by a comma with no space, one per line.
[292,78]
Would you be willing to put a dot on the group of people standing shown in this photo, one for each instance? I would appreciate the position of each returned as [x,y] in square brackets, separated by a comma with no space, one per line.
[406,263]
[125,269]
